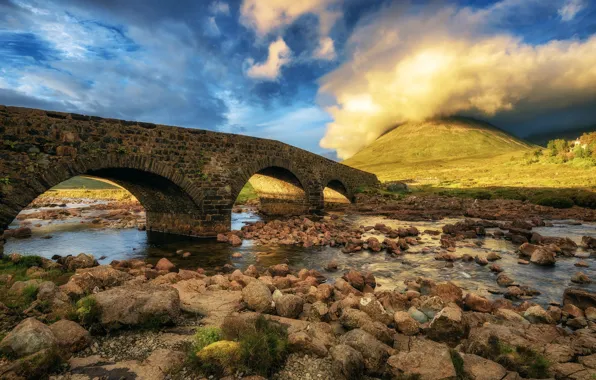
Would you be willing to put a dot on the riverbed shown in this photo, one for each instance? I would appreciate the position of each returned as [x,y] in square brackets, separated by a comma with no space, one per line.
[71,237]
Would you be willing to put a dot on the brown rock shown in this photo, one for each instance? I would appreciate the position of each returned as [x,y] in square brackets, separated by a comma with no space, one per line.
[165,265]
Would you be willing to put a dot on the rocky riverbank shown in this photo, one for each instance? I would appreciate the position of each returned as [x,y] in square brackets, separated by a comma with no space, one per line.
[131,319]
[71,318]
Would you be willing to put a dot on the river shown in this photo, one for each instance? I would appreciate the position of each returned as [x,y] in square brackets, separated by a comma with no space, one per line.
[70,237]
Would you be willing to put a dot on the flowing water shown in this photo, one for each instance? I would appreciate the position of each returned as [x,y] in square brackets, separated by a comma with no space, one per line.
[70,237]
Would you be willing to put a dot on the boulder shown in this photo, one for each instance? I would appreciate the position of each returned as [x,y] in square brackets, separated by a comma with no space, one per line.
[134,305]
[85,281]
[405,323]
[289,306]
[580,278]
[165,265]
[479,368]
[536,314]
[543,256]
[70,336]
[28,337]
[448,292]
[447,325]
[301,341]
[374,353]
[510,315]
[257,296]
[579,297]
[81,261]
[356,279]
[424,359]
[279,270]
[476,303]
[371,306]
[347,361]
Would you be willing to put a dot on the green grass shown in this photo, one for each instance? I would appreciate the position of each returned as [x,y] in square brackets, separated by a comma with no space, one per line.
[204,336]
[247,193]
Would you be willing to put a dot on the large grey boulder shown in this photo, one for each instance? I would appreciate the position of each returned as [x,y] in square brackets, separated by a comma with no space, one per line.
[28,337]
[133,305]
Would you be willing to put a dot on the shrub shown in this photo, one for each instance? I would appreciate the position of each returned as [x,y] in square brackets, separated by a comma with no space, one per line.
[204,336]
[88,311]
[585,200]
[556,202]
[265,347]
[30,261]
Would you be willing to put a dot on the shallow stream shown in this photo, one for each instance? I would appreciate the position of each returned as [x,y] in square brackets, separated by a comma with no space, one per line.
[71,237]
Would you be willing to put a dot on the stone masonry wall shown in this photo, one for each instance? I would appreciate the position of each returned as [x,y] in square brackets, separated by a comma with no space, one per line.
[187,179]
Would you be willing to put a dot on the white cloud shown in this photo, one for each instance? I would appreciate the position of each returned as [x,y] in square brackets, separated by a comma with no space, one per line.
[570,9]
[405,67]
[272,17]
[220,7]
[326,49]
[279,55]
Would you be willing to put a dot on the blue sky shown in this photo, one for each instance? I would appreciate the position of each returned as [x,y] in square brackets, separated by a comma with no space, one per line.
[328,76]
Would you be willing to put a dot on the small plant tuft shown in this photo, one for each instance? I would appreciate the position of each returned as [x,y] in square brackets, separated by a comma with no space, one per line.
[204,336]
[87,311]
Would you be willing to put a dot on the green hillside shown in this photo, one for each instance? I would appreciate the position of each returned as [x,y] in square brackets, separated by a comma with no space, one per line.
[442,140]
[461,153]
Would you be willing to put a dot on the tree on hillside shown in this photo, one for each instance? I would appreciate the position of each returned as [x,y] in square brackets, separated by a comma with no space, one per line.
[588,138]
[557,147]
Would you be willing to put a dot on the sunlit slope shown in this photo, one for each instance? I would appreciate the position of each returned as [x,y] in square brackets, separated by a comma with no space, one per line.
[464,153]
[436,140]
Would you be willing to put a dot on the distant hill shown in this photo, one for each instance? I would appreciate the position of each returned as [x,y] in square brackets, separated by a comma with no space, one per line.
[439,140]
[568,134]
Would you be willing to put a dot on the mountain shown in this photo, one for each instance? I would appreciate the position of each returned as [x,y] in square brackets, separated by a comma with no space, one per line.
[567,134]
[438,140]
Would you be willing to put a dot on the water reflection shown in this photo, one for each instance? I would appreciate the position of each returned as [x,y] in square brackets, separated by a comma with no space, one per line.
[73,238]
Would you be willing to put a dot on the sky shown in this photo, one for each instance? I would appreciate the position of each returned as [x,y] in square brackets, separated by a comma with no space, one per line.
[328,76]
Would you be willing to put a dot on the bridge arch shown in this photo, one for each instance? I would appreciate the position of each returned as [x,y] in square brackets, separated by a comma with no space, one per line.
[336,192]
[282,188]
[172,202]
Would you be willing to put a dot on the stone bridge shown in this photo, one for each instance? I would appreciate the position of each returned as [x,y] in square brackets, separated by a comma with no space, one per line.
[187,179]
